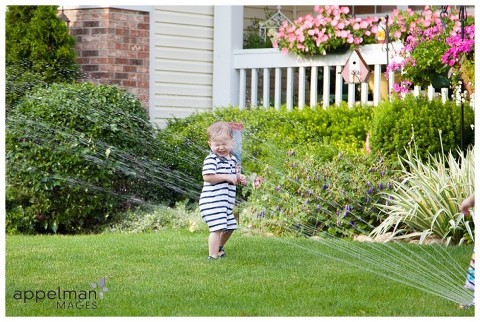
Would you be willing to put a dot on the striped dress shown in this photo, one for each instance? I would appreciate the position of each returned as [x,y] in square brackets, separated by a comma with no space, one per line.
[217,200]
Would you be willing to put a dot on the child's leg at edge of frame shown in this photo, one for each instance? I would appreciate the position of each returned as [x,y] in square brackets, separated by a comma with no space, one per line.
[214,243]
[224,236]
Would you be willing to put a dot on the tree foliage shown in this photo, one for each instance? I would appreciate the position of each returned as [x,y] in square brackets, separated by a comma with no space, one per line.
[38,50]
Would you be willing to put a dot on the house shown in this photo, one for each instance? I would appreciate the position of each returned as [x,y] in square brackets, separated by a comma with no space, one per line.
[182,59]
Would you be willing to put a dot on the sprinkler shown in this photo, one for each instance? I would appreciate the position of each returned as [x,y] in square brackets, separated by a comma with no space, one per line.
[237,143]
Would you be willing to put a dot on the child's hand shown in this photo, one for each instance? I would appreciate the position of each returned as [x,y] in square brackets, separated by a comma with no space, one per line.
[467,204]
[241,179]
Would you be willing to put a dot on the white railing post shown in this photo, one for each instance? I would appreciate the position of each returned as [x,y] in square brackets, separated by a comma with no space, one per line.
[278,88]
[289,88]
[351,94]
[444,92]
[364,93]
[266,87]
[254,88]
[301,87]
[338,85]
[242,86]
[326,86]
[377,76]
[313,86]
[416,90]
[430,92]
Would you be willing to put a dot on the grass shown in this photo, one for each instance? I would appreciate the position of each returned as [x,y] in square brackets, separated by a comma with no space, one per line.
[167,274]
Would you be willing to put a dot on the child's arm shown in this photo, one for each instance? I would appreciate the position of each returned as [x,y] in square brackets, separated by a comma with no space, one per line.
[217,178]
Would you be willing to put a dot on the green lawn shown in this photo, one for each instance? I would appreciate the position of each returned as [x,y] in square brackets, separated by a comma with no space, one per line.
[167,274]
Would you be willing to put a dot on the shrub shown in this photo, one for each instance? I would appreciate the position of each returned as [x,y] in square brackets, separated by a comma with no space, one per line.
[267,136]
[315,196]
[396,123]
[19,80]
[425,202]
[72,156]
[156,218]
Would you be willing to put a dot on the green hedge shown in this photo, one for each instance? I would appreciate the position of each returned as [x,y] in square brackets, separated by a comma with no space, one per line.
[395,124]
[79,154]
[69,156]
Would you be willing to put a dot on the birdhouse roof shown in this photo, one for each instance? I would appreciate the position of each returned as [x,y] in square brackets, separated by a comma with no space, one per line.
[360,57]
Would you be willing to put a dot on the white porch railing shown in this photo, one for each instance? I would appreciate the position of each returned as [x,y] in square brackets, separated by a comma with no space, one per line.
[272,64]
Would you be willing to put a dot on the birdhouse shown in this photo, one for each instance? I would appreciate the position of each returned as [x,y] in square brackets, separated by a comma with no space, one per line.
[356,69]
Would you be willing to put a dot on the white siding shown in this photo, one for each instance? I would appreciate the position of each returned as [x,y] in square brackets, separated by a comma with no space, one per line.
[182,73]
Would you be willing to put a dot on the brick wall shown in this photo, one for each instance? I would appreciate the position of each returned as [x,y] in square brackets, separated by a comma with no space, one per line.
[113,47]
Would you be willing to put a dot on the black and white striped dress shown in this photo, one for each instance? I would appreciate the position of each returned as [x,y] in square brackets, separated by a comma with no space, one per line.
[217,200]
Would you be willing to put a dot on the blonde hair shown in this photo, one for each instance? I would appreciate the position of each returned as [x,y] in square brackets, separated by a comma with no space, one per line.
[218,129]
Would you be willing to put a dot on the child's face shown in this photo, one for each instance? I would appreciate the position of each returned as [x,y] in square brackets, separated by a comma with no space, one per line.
[221,145]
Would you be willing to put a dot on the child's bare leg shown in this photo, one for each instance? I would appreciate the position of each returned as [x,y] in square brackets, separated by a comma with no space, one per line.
[214,243]
[224,236]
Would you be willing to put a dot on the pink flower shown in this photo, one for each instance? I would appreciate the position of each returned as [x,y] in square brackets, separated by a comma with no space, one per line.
[342,33]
